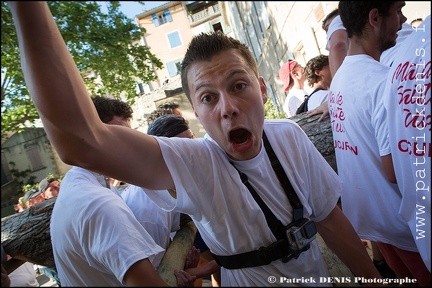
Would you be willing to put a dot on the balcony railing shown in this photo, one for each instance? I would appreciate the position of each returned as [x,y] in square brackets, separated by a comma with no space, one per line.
[204,14]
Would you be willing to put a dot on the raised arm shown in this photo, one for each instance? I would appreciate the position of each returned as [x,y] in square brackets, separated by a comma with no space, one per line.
[66,110]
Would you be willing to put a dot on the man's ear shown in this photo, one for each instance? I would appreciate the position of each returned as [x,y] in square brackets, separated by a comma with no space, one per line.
[263,88]
[374,17]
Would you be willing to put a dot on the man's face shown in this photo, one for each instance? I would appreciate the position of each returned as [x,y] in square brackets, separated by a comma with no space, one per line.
[52,190]
[228,99]
[391,25]
[36,199]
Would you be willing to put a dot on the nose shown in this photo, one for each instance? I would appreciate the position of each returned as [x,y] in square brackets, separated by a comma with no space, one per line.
[229,105]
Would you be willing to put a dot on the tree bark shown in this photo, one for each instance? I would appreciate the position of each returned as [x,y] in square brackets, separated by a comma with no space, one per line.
[175,256]
[320,134]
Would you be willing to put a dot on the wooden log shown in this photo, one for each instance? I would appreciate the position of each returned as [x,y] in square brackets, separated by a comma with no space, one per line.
[320,134]
[175,256]
[26,235]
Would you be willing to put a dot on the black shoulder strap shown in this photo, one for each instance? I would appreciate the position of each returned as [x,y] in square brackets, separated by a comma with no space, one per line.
[283,179]
[275,224]
[316,90]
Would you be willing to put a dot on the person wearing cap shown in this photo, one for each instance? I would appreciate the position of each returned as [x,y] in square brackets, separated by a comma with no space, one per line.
[50,187]
[292,75]
[172,125]
[33,196]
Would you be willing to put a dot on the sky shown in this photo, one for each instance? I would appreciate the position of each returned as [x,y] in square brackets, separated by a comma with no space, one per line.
[132,8]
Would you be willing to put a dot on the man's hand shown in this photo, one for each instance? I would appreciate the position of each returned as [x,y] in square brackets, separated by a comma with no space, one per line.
[323,108]
[184,279]
[192,258]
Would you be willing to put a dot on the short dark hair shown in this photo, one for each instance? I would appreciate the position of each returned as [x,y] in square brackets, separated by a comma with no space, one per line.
[316,63]
[332,14]
[168,125]
[355,14]
[206,45]
[107,108]
[163,109]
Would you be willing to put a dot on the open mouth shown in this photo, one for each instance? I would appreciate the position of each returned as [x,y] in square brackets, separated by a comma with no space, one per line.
[239,136]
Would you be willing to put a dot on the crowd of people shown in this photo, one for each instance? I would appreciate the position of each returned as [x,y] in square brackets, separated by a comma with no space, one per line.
[257,190]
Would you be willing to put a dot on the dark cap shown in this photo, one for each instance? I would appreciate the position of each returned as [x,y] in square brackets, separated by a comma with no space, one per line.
[168,125]
[31,194]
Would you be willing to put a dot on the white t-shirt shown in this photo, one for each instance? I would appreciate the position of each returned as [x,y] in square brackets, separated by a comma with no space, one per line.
[360,135]
[407,87]
[210,190]
[95,236]
[157,222]
[317,99]
[335,24]
[388,55]
[24,276]
[293,100]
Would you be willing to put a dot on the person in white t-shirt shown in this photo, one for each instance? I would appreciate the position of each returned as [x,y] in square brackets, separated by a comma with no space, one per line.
[96,239]
[220,78]
[337,40]
[292,75]
[407,98]
[318,76]
[371,199]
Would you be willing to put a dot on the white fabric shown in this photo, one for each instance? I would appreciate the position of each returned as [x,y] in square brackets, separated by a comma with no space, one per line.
[293,100]
[157,222]
[24,276]
[412,165]
[317,99]
[335,24]
[360,136]
[388,55]
[95,236]
[234,223]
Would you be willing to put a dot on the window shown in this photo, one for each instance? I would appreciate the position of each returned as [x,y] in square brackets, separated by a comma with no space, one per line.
[34,156]
[161,18]
[251,34]
[262,11]
[174,67]
[174,39]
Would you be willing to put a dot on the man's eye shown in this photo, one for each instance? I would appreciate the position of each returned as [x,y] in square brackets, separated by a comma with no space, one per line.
[239,86]
[206,99]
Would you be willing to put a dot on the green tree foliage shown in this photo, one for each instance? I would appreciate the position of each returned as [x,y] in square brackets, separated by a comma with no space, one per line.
[105,46]
[271,112]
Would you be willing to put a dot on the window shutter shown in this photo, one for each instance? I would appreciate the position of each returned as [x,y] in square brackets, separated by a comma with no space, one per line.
[168,15]
[155,20]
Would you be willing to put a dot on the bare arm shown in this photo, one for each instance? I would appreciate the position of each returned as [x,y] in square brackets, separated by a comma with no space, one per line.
[142,273]
[338,50]
[387,162]
[66,110]
[341,238]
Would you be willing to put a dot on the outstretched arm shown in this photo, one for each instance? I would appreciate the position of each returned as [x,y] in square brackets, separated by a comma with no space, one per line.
[341,238]
[66,110]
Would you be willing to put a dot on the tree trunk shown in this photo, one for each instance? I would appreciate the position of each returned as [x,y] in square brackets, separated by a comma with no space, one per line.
[175,255]
[320,134]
